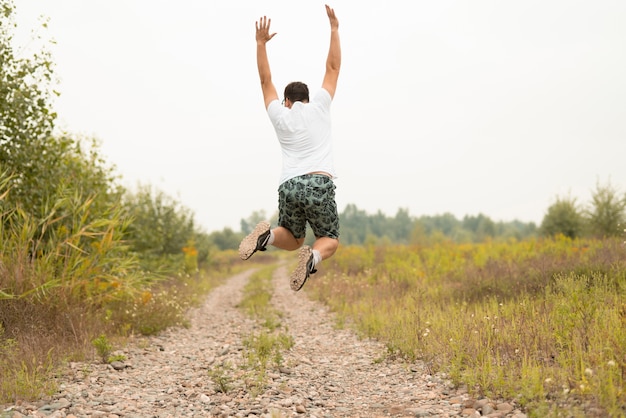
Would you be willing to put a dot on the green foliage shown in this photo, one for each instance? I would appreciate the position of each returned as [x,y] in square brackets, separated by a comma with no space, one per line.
[25,113]
[103,347]
[42,167]
[607,212]
[23,378]
[247,225]
[265,348]
[563,217]
[256,298]
[221,377]
[542,321]
[160,229]
[80,258]
[226,239]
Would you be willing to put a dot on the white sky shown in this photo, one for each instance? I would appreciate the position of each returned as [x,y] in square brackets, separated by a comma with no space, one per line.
[493,107]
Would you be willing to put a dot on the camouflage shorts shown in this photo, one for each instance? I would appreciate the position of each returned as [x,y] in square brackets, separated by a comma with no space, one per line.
[308,198]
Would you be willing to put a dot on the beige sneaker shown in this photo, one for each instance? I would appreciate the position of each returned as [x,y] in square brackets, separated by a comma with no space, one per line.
[255,241]
[303,270]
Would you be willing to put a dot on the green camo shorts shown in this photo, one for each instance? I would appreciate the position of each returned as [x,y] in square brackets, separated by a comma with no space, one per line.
[308,198]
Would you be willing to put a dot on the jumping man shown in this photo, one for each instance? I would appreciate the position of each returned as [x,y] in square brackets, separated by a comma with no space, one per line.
[306,192]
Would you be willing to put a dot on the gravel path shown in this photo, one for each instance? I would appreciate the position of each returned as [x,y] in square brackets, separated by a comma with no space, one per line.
[328,372]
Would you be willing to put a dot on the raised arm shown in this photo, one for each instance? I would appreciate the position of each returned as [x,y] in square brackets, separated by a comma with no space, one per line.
[333,62]
[262,38]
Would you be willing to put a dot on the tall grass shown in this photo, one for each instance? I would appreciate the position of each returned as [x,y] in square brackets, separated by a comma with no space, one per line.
[68,277]
[541,321]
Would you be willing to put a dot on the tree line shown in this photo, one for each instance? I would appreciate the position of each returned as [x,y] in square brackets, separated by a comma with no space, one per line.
[603,216]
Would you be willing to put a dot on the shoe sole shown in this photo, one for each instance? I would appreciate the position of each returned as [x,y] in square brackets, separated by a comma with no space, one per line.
[300,274]
[248,244]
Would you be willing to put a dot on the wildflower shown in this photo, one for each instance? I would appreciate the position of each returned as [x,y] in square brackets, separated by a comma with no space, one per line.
[548,380]
[610,363]
[588,372]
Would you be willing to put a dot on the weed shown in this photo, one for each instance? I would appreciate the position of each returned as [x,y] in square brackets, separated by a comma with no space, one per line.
[221,377]
[27,379]
[116,357]
[264,349]
[103,347]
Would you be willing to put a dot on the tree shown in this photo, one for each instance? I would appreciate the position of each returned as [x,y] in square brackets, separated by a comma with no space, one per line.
[481,226]
[44,170]
[225,239]
[607,212]
[26,117]
[161,227]
[445,223]
[401,226]
[247,225]
[353,225]
[563,217]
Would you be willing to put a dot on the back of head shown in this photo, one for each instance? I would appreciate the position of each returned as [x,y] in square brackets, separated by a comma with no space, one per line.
[297,92]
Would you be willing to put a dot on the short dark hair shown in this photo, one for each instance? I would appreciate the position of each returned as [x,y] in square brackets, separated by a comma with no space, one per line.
[297,91]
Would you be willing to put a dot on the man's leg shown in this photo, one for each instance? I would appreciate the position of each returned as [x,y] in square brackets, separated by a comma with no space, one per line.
[326,246]
[261,236]
[284,239]
[307,260]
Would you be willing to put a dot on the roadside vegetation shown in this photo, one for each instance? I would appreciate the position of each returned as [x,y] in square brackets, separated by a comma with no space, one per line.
[542,321]
[84,263]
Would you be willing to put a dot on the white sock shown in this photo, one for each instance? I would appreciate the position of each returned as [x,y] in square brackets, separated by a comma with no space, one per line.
[271,240]
[317,258]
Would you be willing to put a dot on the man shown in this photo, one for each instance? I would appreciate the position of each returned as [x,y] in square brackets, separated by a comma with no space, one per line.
[306,192]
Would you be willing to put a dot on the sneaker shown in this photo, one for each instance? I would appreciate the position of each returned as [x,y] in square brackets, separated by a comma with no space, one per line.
[304,269]
[255,241]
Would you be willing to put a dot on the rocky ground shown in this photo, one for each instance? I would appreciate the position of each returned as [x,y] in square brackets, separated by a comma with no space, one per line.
[328,372]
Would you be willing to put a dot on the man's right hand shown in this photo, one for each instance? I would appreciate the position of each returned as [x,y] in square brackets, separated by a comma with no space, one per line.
[263,30]
[334,22]
[333,62]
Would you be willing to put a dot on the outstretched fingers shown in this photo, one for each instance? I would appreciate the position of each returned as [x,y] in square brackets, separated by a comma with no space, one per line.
[263,29]
[263,23]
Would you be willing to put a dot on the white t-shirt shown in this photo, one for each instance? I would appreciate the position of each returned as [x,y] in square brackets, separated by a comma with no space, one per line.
[304,134]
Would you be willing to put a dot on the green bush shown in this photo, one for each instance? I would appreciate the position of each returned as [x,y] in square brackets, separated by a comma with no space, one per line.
[563,217]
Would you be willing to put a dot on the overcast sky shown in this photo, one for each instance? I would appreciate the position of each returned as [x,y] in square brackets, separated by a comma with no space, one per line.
[468,107]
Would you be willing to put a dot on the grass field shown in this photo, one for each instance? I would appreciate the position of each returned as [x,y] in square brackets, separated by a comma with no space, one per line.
[539,321]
